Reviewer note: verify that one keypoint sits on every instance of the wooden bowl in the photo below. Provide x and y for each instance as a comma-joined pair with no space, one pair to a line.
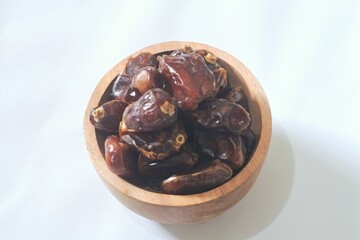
180,209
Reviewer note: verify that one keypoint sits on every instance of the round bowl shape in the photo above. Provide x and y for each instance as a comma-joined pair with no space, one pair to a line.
181,209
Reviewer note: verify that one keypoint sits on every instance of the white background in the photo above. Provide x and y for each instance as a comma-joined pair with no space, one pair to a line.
305,54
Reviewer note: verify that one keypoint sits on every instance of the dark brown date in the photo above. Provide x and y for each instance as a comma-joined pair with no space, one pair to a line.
108,116
229,148
123,91
188,78
192,128
204,177
238,96
176,163
147,78
142,60
215,113
249,139
154,110
219,72
120,159
206,144
157,145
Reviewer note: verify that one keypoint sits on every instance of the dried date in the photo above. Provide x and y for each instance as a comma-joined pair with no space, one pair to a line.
153,111
202,178
231,150
206,144
123,91
147,78
188,78
120,158
249,139
219,72
144,59
157,145
218,114
228,148
177,163
237,95
108,116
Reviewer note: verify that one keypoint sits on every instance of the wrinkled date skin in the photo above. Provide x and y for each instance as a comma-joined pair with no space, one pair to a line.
228,148
147,78
219,72
238,96
215,113
157,145
154,110
142,60
123,91
231,150
120,159
177,163
202,178
188,78
108,116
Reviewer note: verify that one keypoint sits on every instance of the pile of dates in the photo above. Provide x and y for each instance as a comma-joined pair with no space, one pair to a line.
173,123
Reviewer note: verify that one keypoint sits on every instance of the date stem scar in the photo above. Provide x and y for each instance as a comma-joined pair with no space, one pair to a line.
167,108
98,113
180,139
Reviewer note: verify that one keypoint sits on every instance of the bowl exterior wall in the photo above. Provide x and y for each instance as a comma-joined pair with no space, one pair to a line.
185,214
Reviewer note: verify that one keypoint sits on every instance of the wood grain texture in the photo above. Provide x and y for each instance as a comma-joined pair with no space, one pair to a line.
179,209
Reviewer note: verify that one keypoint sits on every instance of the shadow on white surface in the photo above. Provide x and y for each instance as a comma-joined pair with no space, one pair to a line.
260,207
325,201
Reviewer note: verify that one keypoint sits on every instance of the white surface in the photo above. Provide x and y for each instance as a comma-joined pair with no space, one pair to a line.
305,54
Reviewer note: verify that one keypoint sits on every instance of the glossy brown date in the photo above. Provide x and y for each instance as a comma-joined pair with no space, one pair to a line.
123,91
231,150
147,78
157,145
144,59
176,163
228,148
108,116
249,139
120,159
188,78
219,72
153,111
204,177
206,144
238,96
215,113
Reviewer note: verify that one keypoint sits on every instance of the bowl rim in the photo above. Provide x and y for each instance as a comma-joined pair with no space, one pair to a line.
132,191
